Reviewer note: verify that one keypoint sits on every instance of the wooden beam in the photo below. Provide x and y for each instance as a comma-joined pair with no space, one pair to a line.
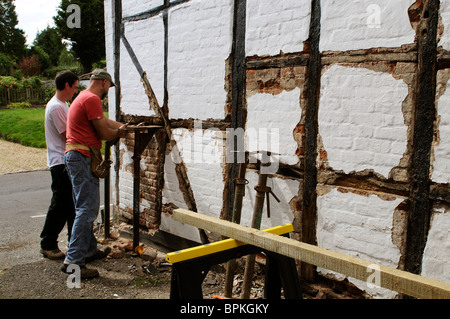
424,98
307,219
203,250
391,278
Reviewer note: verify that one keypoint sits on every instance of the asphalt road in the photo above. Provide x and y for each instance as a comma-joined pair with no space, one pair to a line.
24,200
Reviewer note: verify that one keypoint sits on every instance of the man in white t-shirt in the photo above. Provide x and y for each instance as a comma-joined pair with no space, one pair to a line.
61,209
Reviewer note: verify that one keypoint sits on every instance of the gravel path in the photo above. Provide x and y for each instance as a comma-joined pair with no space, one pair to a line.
17,158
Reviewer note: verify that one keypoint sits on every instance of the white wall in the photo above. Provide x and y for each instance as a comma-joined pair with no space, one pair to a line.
436,257
149,50
274,26
200,34
365,24
202,153
132,7
271,121
445,18
441,164
360,119
358,226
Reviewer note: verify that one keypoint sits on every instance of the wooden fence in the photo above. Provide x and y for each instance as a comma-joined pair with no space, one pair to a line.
33,96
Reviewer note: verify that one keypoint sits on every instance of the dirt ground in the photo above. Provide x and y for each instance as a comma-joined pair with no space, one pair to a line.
124,274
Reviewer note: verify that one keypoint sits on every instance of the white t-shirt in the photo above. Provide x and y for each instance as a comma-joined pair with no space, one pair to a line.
55,124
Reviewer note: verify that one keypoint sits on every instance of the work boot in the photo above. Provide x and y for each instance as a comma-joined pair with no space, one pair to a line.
85,273
54,254
101,253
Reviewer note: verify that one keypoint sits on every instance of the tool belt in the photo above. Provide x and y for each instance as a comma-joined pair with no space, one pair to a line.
99,166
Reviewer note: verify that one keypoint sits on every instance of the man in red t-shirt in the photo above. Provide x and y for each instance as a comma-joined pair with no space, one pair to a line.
87,126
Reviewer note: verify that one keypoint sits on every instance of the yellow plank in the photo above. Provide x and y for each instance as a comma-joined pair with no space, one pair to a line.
222,245
391,278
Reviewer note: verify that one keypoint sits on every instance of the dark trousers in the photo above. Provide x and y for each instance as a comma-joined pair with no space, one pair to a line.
61,209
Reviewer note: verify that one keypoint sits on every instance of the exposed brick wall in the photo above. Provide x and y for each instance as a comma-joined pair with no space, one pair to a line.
151,181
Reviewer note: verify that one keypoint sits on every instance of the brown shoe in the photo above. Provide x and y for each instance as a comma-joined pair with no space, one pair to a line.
54,254
85,273
101,253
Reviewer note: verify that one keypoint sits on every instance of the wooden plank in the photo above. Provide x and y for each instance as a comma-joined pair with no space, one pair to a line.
217,246
391,278
143,127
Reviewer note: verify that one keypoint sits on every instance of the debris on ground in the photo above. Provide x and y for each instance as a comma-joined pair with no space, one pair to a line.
141,273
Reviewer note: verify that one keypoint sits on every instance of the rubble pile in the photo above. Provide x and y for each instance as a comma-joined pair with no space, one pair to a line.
149,268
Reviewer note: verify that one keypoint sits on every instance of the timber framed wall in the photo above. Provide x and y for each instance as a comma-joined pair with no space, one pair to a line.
356,93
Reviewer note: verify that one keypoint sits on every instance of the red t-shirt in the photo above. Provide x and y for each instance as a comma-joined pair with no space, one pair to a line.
86,107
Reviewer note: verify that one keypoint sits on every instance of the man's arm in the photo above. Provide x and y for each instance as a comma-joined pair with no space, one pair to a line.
113,124
108,130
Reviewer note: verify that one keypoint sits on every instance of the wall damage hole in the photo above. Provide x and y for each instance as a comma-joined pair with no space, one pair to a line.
424,33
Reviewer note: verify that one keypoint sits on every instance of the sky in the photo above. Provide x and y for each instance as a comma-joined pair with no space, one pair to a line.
35,15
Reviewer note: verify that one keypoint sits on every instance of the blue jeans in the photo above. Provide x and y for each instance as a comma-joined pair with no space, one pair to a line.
86,198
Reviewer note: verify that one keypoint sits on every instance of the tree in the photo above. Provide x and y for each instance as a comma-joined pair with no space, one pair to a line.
43,57
50,41
66,58
88,41
30,66
6,65
12,39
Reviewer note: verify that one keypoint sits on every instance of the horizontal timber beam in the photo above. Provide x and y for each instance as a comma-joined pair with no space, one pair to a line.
203,250
391,278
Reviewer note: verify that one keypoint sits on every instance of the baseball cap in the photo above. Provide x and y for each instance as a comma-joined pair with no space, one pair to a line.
99,74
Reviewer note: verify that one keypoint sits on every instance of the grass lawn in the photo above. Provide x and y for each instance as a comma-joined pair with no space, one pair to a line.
23,126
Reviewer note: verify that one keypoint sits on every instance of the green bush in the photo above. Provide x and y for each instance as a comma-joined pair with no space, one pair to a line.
18,105
8,82
49,93
99,65
12,82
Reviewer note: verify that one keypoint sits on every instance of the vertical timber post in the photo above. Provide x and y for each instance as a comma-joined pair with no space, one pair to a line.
238,87
117,7
424,117
309,215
